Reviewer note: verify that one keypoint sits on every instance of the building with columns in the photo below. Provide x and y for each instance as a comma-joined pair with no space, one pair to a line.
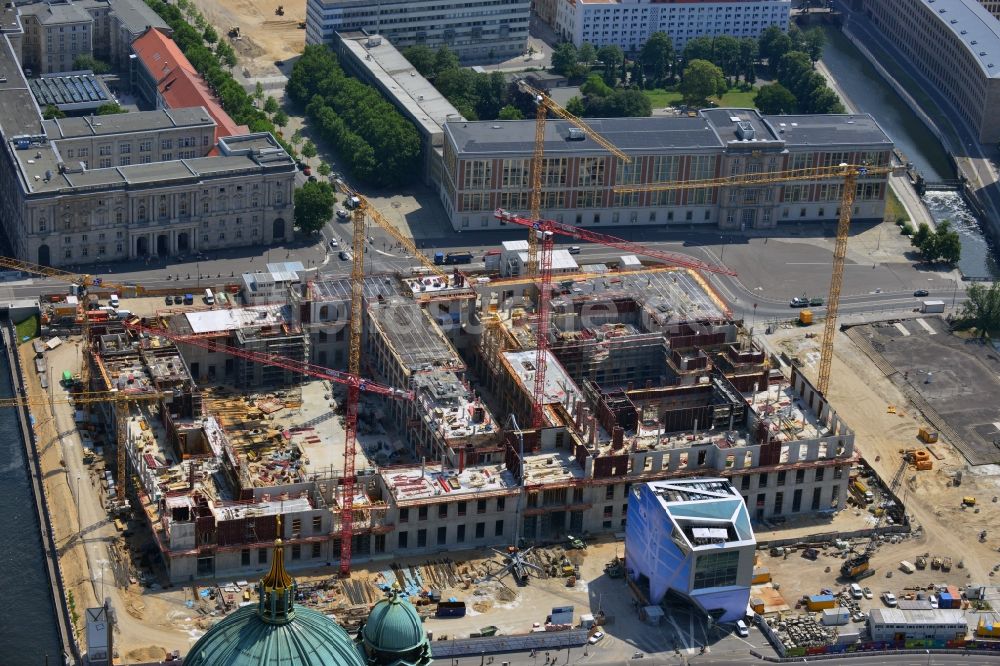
487,165
127,186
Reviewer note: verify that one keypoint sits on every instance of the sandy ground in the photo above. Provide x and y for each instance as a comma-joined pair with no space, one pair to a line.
862,396
265,36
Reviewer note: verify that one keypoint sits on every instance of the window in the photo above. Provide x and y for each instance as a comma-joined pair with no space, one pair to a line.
480,530
404,515
442,535
421,538
460,534
442,510
296,528
245,557
779,500
501,503
745,482
498,528
461,508
815,500
797,500
422,513
800,476
166,144
404,538
762,482
478,174
838,472
316,551
781,477
105,163
124,148
608,510
104,150
590,171
716,570
296,551
145,146
609,493
317,524
554,171
481,506
820,471
262,556
124,160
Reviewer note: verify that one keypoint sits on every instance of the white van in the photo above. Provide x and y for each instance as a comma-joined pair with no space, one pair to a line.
856,591
209,297
742,630
113,300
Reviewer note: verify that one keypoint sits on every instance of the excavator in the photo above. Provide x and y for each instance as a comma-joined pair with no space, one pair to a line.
859,565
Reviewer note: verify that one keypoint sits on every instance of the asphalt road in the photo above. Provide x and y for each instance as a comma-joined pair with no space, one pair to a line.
596,658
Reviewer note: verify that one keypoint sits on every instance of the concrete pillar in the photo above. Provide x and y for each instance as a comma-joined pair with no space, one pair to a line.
617,438
592,434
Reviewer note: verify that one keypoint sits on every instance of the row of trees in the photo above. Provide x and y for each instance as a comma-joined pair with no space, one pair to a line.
602,101
382,147
214,65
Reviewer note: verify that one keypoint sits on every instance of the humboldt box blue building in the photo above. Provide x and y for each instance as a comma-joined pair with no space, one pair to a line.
691,538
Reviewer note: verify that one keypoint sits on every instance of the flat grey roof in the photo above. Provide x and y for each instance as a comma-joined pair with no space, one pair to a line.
635,135
56,12
136,16
125,123
18,112
976,29
410,89
829,130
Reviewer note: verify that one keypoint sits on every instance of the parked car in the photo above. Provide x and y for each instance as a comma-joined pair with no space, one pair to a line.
742,629
334,242
889,599
575,249
598,635
816,302
919,293
168,299
934,601
346,256
798,302
867,592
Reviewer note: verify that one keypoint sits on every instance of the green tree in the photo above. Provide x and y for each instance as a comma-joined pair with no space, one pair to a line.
52,112
271,105
324,169
949,247
226,54
510,112
422,58
313,205
657,57
748,59
940,245
595,85
823,100
701,80
258,92
564,58
82,62
576,107
210,35
981,309
280,118
110,109
773,44
297,137
612,57
919,238
774,98
444,59
586,54
727,54
699,48
813,42
309,150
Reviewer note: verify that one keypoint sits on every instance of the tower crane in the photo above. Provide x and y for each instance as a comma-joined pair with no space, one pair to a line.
544,105
548,229
849,173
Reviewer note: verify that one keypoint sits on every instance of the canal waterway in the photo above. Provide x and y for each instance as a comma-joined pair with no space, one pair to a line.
29,630
869,93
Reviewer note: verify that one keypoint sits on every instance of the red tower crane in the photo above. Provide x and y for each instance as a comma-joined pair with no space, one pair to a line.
547,229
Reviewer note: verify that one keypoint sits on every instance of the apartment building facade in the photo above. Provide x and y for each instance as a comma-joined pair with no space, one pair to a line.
483,30
955,44
629,23
487,165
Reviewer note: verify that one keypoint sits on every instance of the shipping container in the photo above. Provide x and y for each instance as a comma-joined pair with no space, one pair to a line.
835,616
451,609
932,306
817,602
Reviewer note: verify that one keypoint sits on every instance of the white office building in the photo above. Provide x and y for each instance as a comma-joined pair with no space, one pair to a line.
476,30
629,23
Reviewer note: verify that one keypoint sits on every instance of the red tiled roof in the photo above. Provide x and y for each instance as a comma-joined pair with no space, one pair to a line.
178,83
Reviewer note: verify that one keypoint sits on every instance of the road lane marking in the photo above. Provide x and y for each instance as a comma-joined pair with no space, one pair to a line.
901,329
926,326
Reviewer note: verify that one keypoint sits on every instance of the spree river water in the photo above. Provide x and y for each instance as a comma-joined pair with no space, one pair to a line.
29,630
869,93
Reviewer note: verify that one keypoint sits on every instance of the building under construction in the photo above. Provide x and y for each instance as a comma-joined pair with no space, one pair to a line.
648,378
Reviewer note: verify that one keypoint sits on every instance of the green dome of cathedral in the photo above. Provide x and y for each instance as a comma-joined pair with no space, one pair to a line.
276,631
394,634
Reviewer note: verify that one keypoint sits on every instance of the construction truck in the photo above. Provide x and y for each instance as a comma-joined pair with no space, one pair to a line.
615,568
858,565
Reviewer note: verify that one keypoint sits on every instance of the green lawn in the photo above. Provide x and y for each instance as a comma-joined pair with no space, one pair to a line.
27,329
661,98
893,208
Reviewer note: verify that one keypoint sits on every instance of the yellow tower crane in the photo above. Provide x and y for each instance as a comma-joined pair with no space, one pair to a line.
849,173
544,105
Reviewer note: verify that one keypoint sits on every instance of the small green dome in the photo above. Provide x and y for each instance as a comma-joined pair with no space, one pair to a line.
246,639
394,634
